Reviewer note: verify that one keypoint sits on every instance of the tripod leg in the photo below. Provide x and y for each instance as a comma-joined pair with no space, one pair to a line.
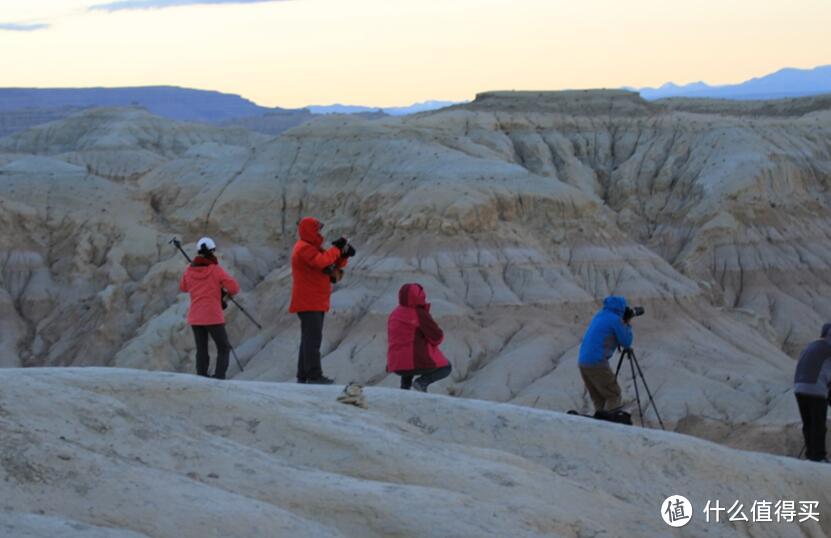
648,392
245,312
619,362
635,382
233,351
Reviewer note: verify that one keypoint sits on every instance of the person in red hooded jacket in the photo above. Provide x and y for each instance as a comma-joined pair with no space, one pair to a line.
312,274
206,282
413,339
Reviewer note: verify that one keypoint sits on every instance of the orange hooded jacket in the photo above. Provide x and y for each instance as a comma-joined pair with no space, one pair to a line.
310,286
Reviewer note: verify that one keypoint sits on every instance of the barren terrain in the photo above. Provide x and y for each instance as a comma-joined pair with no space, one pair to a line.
518,212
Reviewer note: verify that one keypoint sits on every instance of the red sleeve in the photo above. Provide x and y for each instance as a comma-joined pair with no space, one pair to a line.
429,328
183,282
227,282
320,260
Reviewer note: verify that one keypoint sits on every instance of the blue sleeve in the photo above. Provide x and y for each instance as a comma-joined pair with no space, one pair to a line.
623,333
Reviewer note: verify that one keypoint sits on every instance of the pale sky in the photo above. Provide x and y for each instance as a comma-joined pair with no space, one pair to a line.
292,53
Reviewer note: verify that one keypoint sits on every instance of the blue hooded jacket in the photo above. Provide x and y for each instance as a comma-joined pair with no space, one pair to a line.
605,333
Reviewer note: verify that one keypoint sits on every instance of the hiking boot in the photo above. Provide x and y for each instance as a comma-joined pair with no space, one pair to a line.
322,380
419,387
302,381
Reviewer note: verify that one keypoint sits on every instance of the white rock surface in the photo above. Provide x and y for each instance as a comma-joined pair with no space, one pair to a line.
518,212
92,452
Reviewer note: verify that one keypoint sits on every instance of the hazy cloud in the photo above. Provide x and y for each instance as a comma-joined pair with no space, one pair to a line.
18,27
121,5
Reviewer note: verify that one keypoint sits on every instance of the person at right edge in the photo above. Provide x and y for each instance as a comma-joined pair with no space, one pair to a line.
608,330
312,270
812,386
413,339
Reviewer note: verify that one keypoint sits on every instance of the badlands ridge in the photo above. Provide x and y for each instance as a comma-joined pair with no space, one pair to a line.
518,212
115,453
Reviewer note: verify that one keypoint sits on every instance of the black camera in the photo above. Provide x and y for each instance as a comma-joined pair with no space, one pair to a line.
633,312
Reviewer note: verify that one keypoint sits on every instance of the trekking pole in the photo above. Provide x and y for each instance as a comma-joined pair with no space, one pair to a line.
175,242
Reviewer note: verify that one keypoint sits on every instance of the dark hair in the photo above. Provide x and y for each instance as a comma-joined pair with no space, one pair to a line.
826,331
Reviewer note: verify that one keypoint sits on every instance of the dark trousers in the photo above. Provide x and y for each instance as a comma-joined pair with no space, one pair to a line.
311,336
814,412
426,377
223,348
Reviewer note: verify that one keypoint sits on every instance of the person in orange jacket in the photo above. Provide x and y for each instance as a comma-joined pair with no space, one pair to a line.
206,282
313,271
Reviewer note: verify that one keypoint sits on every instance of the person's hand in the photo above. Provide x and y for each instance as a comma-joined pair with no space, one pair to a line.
340,243
348,252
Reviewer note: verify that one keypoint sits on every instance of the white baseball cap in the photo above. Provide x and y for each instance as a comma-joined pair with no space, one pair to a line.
206,243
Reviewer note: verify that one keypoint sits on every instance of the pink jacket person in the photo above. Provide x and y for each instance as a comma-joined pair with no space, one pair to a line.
413,336
204,279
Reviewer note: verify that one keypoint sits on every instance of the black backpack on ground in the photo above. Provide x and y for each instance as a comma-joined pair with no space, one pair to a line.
619,416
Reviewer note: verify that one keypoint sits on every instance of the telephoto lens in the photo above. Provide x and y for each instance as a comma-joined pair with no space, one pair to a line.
630,313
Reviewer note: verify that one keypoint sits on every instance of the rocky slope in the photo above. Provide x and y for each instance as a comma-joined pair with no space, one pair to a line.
518,212
93,452
20,119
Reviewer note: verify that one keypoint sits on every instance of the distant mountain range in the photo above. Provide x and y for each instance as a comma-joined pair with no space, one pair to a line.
184,104
171,102
788,82
392,111
21,108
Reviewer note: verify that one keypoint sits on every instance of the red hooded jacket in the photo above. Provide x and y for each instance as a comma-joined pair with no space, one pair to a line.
310,286
413,336
204,279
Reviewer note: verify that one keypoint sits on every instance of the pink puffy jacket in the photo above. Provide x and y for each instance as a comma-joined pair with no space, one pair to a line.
413,336
204,279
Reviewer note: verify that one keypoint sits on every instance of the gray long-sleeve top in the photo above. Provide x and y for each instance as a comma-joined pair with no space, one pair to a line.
813,371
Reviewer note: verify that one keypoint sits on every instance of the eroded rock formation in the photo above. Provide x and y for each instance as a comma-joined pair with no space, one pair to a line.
119,453
518,212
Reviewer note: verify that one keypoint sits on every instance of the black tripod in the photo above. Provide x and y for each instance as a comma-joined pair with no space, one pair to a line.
175,242
633,363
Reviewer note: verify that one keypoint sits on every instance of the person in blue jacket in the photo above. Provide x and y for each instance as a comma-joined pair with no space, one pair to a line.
608,330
